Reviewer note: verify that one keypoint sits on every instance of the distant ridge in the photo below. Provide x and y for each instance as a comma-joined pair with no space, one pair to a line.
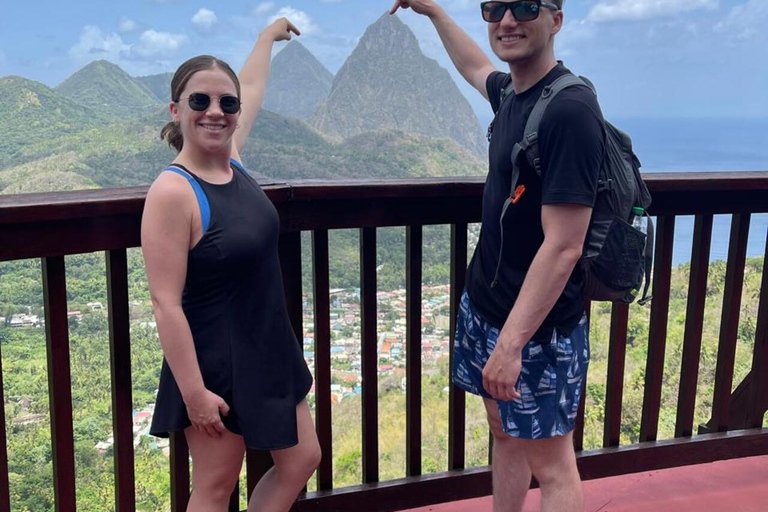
102,85
298,82
158,85
31,113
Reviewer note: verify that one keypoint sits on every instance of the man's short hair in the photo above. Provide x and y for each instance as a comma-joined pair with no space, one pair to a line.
559,3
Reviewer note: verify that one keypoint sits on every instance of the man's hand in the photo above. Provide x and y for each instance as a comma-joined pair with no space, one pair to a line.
280,30
425,7
502,371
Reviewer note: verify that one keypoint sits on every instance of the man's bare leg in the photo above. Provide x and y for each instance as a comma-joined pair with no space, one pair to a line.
511,473
553,463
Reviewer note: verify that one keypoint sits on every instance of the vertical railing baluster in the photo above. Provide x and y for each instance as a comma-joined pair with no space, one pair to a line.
257,463
456,397
369,355
729,324
179,460
578,431
657,335
614,391
413,256
694,325
5,492
59,383
320,272
289,249
120,363
759,400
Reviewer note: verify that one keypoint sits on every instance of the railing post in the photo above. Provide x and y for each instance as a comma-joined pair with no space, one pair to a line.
413,251
120,363
759,399
179,461
729,326
694,324
59,383
456,397
320,272
370,358
615,379
657,335
5,492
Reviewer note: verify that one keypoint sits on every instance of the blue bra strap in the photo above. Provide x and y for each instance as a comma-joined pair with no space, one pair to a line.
202,199
238,165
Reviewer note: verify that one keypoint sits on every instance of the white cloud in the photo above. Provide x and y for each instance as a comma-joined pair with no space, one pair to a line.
636,10
299,18
745,21
263,8
126,24
204,20
156,44
94,44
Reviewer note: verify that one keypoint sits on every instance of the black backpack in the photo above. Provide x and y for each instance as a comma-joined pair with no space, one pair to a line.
616,255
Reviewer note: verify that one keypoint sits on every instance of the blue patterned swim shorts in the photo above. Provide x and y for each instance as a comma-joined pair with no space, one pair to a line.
551,380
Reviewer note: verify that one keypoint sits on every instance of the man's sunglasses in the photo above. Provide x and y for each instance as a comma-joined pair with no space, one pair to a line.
200,102
522,10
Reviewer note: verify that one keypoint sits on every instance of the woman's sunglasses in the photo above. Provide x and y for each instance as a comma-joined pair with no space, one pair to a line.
522,10
199,101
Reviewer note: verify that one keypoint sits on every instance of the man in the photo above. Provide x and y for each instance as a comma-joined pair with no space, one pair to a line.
521,339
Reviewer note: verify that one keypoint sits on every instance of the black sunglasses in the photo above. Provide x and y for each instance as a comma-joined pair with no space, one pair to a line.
522,10
200,102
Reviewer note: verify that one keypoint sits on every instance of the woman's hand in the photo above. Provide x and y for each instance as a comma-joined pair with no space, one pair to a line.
280,30
205,410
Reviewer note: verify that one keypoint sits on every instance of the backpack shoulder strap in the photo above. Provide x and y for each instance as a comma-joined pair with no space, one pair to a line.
506,92
529,145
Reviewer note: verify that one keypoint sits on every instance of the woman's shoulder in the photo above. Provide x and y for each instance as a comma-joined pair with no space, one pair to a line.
171,189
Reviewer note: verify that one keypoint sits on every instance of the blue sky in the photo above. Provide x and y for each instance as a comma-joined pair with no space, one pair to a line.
648,58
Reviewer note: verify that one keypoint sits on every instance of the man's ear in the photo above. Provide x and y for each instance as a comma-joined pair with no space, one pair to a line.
558,24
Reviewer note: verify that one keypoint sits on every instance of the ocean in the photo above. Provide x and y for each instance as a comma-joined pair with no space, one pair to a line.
702,145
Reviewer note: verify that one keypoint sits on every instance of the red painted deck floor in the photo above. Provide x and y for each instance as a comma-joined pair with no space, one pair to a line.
737,485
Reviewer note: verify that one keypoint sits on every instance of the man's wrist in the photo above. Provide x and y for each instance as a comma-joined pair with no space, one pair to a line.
265,36
511,342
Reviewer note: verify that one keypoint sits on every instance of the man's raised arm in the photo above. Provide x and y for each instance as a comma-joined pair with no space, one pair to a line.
466,55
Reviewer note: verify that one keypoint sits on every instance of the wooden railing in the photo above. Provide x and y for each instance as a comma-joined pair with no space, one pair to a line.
50,226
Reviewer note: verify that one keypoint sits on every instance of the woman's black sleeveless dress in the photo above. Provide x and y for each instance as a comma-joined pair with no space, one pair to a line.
235,304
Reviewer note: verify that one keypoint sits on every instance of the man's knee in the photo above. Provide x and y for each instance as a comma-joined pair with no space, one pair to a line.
553,461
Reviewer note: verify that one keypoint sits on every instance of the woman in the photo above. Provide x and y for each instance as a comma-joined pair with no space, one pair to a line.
233,375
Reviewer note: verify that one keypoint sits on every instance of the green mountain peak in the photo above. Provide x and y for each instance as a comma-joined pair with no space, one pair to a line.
104,86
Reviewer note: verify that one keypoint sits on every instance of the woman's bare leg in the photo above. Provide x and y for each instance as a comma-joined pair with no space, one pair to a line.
277,490
216,465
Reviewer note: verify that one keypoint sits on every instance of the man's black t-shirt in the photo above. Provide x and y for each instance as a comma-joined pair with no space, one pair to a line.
572,147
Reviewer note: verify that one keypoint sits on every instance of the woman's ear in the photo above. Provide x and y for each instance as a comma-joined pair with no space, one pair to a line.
173,107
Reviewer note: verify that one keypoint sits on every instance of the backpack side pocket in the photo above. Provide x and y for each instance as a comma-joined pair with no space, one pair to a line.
616,273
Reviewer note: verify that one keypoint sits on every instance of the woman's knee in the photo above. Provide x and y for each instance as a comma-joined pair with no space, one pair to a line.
301,463
312,456
216,483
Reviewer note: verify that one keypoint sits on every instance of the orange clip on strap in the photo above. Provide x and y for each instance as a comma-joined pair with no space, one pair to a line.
518,194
